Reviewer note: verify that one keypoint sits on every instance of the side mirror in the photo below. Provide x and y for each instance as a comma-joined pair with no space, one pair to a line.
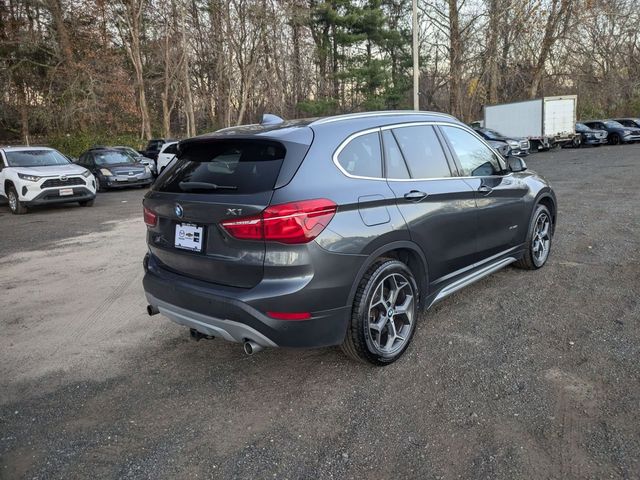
516,164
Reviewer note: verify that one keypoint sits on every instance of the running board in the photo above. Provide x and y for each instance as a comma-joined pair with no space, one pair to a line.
472,277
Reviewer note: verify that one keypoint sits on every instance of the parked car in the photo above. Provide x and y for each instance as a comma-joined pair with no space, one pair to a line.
32,176
629,122
589,136
114,168
154,146
517,146
167,153
617,133
296,234
138,157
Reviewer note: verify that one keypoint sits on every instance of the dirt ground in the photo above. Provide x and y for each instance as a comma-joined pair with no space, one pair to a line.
524,375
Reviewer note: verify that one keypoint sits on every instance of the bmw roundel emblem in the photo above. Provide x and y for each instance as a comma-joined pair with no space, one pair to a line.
179,211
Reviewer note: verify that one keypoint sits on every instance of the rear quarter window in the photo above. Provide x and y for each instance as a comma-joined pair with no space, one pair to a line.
228,167
362,156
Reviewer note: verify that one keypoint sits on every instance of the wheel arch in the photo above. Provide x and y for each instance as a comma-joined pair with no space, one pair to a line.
405,251
9,183
550,202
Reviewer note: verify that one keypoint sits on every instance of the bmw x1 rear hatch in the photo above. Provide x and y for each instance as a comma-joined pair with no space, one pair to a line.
215,180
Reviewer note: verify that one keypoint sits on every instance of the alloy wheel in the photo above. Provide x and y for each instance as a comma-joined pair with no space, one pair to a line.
391,314
541,241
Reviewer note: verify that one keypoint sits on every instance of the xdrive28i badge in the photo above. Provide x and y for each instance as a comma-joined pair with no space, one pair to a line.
179,211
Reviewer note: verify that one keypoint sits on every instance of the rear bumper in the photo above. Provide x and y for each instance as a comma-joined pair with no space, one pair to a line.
237,314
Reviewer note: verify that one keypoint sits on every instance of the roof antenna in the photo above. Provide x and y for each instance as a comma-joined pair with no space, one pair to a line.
270,119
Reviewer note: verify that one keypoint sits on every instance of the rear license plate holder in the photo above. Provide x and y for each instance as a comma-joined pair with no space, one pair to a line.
189,237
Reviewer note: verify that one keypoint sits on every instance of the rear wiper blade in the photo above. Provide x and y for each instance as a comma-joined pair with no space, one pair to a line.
205,186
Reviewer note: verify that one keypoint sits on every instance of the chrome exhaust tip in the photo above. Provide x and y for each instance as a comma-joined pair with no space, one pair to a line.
252,347
151,310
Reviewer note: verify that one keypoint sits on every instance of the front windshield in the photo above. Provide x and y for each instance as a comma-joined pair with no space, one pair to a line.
613,124
36,158
112,158
581,127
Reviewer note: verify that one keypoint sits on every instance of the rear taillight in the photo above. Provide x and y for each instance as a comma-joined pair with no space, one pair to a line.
295,222
150,217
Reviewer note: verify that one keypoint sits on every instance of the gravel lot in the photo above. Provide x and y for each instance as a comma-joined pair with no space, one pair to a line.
522,375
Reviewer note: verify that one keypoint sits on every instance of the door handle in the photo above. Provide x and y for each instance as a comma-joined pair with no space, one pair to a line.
484,189
415,195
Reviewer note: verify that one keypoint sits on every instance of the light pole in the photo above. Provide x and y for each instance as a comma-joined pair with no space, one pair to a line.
414,22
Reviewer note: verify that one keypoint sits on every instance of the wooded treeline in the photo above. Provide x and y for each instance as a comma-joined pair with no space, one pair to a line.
182,67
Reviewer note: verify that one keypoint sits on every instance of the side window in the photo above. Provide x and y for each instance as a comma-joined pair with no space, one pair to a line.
422,151
171,149
394,162
362,157
476,159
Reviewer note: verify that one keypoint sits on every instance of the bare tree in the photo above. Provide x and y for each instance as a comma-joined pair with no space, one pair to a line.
129,14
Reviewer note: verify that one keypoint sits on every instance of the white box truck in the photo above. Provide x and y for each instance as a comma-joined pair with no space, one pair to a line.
546,122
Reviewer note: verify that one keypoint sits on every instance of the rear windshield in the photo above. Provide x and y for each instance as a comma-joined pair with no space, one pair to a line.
155,144
224,167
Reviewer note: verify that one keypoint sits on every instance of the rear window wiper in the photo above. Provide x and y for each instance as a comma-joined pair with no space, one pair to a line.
205,186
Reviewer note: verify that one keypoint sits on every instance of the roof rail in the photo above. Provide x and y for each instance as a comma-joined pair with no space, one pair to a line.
352,116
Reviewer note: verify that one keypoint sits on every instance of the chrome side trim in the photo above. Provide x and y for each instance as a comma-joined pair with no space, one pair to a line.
346,141
217,327
472,277
477,264
353,116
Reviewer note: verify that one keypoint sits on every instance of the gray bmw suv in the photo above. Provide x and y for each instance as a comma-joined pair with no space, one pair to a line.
335,231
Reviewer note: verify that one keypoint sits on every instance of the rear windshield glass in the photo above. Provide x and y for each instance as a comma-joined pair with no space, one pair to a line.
224,167
35,158
155,144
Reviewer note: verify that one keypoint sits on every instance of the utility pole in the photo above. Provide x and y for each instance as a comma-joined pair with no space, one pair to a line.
416,99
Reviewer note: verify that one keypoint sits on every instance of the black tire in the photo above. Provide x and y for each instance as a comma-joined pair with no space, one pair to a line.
530,260
99,187
614,139
87,203
359,342
15,205
576,142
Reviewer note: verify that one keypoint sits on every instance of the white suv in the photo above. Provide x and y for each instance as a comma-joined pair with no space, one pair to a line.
38,176
167,153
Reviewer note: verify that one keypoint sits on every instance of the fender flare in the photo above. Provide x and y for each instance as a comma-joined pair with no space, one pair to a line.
376,254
